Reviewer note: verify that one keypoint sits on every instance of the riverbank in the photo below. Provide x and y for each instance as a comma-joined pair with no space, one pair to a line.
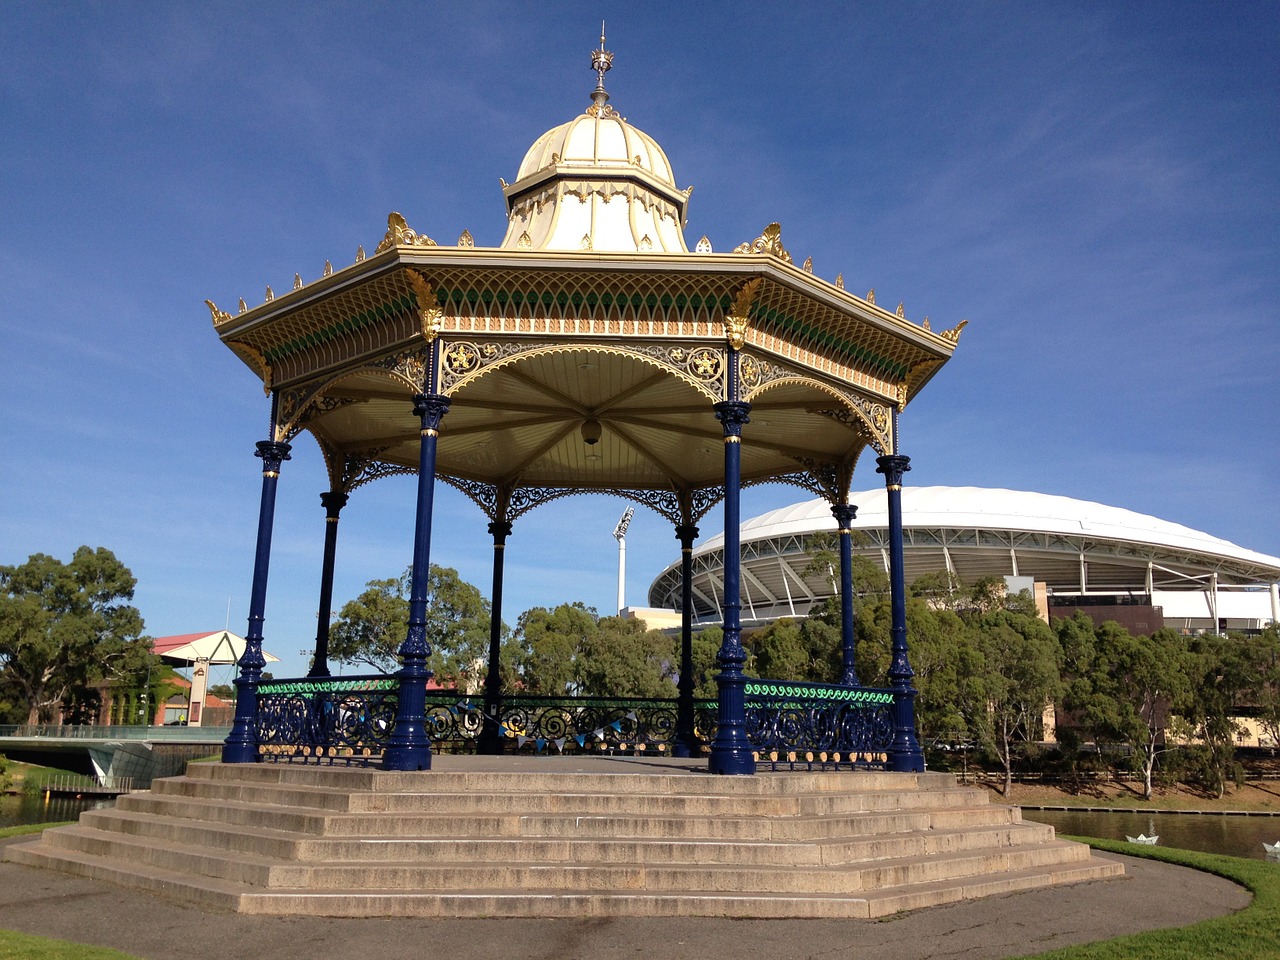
1262,796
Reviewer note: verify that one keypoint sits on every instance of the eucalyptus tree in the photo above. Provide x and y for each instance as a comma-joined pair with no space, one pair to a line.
570,650
370,629
1019,678
66,627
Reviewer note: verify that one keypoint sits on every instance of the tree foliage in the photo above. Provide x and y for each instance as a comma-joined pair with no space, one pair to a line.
572,651
371,628
66,627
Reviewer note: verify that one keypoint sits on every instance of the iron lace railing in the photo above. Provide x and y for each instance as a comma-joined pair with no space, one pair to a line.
349,720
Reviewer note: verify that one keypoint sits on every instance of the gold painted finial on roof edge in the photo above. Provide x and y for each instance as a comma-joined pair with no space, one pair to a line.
219,316
400,234
953,335
768,242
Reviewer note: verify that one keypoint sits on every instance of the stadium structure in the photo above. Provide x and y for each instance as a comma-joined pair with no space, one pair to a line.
1112,563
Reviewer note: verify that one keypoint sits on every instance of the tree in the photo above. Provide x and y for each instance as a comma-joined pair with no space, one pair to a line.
371,628
1266,681
65,627
1218,671
1123,690
571,651
1019,657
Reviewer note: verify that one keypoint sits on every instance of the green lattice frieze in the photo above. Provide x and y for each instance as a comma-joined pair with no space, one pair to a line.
818,693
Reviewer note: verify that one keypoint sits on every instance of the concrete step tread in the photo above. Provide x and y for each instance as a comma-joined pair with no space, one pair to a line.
229,895
154,802
156,830
128,848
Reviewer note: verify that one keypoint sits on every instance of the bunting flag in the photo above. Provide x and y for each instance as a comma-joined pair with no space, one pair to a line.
540,743
520,739
559,744
582,739
617,726
631,715
598,733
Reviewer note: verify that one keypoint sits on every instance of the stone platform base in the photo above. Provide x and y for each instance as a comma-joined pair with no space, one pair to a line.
557,837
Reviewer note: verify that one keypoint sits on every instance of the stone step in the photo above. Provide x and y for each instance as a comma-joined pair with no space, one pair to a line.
578,802
726,826
443,877
688,777
223,895
450,849
549,839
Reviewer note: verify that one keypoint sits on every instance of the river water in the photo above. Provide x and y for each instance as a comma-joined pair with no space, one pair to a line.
1236,836
35,807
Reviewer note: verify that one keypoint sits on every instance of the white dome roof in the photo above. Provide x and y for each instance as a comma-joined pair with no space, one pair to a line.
986,508
598,184
594,143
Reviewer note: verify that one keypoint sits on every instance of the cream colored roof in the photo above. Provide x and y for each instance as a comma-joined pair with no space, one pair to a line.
985,508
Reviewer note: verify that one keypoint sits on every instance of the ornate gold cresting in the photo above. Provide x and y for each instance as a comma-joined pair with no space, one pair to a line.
768,242
430,316
953,335
902,310
466,240
400,234
219,316
871,295
736,321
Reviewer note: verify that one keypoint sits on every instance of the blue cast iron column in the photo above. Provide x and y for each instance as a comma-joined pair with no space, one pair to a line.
490,741
241,745
410,747
686,744
905,755
731,751
844,514
333,501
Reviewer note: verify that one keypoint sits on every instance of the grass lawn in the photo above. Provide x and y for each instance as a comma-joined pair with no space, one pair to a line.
1251,934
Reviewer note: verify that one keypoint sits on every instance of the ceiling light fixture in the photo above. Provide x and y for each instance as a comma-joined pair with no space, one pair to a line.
591,431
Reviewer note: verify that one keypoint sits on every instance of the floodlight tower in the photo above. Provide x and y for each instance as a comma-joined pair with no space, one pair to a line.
620,534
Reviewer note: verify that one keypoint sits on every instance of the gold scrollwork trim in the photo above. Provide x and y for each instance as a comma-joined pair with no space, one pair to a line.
736,321
400,234
768,242
430,316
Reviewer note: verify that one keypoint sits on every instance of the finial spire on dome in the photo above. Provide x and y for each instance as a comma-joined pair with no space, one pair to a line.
601,61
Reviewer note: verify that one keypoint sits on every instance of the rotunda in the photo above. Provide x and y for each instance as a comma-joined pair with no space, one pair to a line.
591,352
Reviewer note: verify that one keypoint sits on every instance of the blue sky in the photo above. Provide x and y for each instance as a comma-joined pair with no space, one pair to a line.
1095,187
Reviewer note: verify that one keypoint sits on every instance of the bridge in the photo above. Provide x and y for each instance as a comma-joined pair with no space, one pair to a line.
102,751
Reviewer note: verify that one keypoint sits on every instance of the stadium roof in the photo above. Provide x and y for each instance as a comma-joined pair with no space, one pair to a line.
1075,546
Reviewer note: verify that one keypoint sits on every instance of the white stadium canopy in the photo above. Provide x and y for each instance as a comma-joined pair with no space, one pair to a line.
1078,549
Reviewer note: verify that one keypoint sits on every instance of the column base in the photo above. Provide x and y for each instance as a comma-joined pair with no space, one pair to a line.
407,758
239,753
732,761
